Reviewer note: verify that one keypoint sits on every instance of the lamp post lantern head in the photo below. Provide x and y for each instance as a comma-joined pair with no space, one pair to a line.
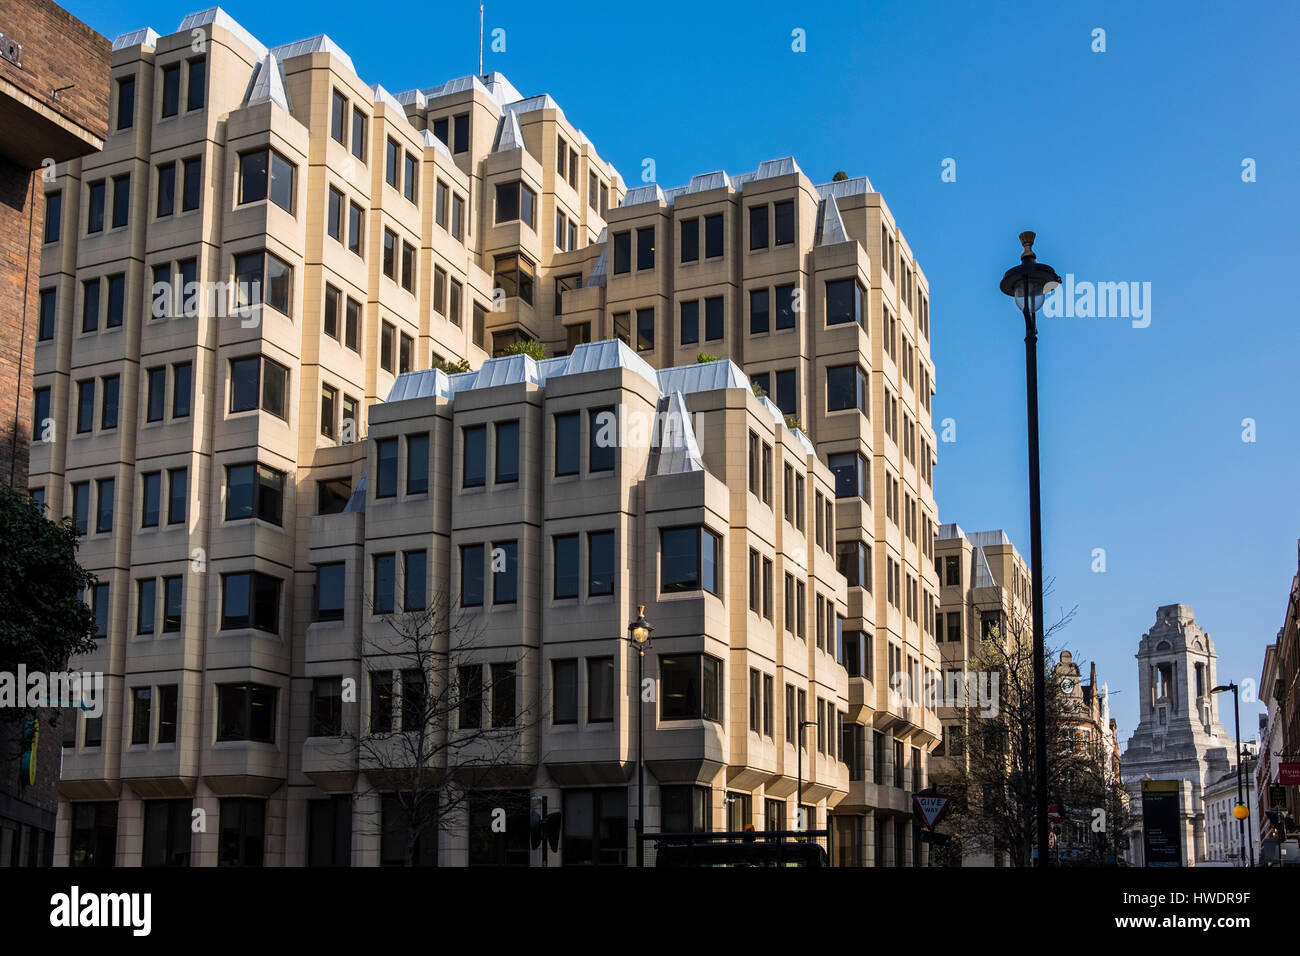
638,632
1031,281
1224,687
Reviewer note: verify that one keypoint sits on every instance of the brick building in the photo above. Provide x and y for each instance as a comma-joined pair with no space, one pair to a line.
53,108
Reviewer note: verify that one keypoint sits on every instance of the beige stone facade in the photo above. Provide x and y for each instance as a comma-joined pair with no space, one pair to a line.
388,233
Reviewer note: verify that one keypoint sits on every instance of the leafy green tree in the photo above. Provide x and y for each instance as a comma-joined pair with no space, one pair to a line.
533,349
704,357
44,620
452,368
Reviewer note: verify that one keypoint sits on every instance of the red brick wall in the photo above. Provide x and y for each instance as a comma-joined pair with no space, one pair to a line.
59,50
22,218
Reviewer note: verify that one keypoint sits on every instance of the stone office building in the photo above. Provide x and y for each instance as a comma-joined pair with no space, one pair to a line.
234,474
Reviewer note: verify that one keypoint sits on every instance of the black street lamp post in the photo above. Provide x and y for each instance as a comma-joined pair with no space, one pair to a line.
638,635
800,822
1029,283
1240,811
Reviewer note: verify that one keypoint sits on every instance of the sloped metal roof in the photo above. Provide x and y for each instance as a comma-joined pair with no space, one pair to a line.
777,167
388,99
606,354
778,416
702,377
674,449
142,37
268,84
948,532
706,181
215,16
317,44
433,142
600,271
542,101
845,187
640,194
357,503
830,226
458,84
509,135
409,97
421,384
805,441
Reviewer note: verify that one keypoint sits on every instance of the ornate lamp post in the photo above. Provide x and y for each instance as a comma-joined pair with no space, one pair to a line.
1029,283
638,635
1240,811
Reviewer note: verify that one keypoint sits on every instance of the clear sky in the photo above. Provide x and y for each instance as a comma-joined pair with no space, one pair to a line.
1128,164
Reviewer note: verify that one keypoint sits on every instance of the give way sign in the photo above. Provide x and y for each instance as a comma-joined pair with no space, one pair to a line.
930,807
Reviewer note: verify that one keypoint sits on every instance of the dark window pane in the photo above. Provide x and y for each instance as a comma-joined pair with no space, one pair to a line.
415,585
602,428
680,559
198,81
505,572
471,575
507,451
690,322
384,584
758,311
386,468
622,252
713,328
690,240
566,566
564,691
568,427
417,464
474,464
600,563
330,582
758,227
171,89
784,223
712,236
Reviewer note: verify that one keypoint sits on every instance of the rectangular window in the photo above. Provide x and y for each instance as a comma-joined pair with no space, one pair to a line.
90,305
755,700
167,711
387,345
564,692
690,322
166,197
326,707
410,177
95,206
86,406
339,117
126,102
622,252
457,217
254,491
332,496
386,468
331,580
383,584
250,599
515,203
568,429
460,128
503,694
600,563
845,300
415,580
391,154
690,687
505,572
417,463
246,712
171,90
146,606
689,558
53,216
116,310
356,224
151,497
785,223
645,248
408,267
109,402
141,705
196,83
690,240
329,403
358,134
415,700
565,564
852,475
713,236
507,451
405,353
847,386
758,311
469,679
713,326
474,460
191,184
471,575
645,329
758,227
177,495
105,493
352,325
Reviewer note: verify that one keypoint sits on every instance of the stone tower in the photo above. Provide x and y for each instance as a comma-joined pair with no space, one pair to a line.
1178,736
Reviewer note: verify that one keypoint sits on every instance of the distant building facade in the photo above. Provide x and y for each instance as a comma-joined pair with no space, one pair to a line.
1178,736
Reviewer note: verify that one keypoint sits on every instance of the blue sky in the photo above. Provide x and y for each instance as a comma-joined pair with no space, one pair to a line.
1128,164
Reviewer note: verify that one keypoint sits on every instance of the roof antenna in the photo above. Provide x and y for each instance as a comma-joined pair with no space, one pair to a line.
480,40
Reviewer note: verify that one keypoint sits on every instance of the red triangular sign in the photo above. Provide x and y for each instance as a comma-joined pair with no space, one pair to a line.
930,807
